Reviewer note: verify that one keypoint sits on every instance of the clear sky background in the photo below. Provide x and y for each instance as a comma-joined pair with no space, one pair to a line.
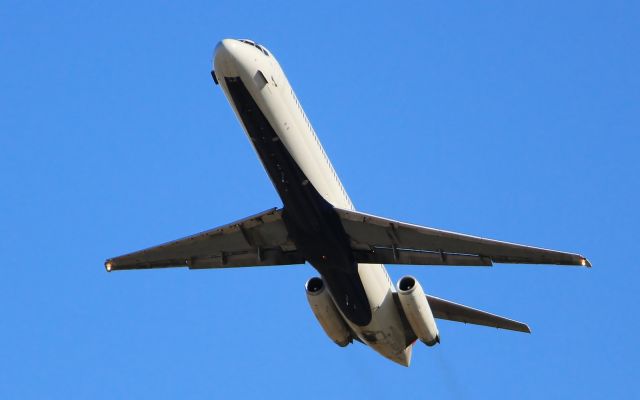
516,122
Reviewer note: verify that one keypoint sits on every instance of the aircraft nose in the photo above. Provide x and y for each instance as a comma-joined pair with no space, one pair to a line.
230,58
226,50
227,45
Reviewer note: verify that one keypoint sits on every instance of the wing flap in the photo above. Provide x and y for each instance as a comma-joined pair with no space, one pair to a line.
444,309
420,245
258,240
384,255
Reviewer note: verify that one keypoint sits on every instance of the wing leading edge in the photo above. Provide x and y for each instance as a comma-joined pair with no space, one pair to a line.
381,240
258,240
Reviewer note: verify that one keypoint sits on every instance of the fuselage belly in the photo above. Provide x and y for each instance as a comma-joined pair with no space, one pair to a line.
299,169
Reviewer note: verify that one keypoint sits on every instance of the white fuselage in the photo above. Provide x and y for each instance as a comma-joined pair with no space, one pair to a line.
270,89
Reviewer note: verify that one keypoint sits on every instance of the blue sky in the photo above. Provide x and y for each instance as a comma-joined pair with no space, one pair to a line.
518,122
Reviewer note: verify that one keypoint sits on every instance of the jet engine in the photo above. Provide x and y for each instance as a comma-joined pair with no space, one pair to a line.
326,312
416,307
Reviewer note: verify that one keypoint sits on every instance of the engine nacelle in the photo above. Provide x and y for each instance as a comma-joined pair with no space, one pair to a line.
326,312
416,308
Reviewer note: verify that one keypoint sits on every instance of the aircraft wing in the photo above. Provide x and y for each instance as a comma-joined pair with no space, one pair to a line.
380,240
444,309
259,240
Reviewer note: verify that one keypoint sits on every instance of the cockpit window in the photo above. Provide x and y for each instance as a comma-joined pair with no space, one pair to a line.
254,44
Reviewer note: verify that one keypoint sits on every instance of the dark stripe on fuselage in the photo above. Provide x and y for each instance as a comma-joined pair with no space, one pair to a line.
312,222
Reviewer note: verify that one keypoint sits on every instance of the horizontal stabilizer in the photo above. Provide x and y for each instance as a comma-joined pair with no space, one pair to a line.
444,309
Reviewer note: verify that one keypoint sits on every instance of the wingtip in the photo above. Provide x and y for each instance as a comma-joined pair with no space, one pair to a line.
108,265
584,262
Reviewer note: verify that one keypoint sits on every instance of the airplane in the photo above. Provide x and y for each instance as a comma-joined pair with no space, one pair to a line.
353,298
